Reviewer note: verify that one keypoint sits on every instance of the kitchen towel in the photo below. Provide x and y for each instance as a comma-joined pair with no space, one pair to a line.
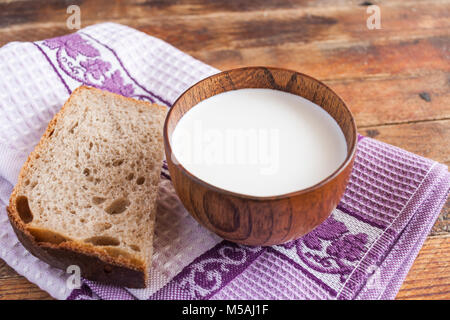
362,251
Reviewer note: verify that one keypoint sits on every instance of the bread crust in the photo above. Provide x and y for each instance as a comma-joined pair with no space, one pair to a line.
94,262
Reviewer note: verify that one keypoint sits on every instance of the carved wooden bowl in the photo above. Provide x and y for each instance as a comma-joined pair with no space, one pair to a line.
256,220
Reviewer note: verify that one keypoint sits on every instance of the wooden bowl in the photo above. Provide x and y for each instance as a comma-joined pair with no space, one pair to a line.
256,220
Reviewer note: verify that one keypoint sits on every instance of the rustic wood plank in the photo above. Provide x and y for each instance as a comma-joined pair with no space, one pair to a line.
394,100
21,288
230,30
14,286
424,138
427,139
25,11
6,271
429,277
182,7
331,61
442,225
278,27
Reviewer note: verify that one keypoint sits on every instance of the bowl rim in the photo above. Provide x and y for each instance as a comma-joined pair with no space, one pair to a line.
333,175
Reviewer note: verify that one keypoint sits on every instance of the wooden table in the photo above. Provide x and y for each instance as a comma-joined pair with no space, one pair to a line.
396,79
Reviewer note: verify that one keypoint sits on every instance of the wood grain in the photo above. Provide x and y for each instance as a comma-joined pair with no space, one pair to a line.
21,288
442,225
395,80
429,277
6,271
14,286
412,137
389,99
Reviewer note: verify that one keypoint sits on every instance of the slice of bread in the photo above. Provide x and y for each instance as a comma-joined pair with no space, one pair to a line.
86,195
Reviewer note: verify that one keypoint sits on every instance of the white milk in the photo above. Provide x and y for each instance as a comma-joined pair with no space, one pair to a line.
259,142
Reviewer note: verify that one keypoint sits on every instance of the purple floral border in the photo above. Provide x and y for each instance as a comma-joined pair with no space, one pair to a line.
126,70
79,57
212,270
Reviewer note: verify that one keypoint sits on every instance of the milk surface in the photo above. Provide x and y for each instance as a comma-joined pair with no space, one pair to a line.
259,142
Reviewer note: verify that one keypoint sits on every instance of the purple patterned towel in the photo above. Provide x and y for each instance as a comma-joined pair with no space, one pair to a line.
363,251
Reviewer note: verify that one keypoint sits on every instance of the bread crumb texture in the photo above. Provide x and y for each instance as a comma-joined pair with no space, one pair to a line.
93,179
